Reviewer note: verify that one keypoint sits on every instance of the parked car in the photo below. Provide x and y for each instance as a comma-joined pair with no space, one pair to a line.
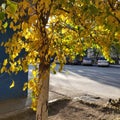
87,61
102,62
75,61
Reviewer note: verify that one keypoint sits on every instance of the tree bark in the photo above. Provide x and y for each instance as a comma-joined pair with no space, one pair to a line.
42,107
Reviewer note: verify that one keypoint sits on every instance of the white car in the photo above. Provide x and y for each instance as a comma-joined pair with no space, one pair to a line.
102,62
87,61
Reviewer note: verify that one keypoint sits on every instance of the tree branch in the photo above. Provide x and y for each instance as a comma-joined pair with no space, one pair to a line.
111,6
64,10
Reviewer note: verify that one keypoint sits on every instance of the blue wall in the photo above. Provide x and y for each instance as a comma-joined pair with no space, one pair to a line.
5,79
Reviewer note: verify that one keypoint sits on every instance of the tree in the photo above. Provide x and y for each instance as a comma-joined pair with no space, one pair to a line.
115,51
44,28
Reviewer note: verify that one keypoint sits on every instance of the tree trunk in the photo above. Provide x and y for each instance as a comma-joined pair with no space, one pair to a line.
42,107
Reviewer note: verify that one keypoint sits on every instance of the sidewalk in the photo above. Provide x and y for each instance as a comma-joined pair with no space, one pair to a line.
71,109
14,106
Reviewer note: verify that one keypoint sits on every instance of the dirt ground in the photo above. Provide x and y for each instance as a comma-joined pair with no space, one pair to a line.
72,110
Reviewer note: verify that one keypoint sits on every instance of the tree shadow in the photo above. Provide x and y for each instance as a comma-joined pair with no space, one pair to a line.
56,106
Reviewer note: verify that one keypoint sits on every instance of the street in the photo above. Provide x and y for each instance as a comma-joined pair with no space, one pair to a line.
76,80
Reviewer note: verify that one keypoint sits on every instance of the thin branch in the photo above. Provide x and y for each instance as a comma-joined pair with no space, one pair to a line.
110,4
64,10
112,7
116,18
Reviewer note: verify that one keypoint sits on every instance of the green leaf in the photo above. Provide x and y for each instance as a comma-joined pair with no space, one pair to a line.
12,5
93,10
5,25
86,1
2,15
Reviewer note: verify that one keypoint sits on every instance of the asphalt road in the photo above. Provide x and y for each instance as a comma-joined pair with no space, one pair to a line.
75,80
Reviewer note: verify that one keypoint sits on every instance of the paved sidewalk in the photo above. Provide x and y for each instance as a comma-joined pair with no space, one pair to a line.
17,106
14,106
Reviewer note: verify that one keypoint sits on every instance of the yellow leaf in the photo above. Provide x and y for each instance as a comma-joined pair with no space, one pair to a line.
24,25
12,67
2,69
2,43
5,25
33,19
12,84
34,105
5,62
31,84
34,73
30,11
25,4
25,86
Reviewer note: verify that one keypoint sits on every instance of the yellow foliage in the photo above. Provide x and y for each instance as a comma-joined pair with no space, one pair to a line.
5,62
117,35
3,69
31,84
47,28
25,86
34,73
12,84
25,25
34,105
31,11
33,19
12,68
25,4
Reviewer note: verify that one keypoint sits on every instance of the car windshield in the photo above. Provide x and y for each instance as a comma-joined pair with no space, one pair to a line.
102,58
87,58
